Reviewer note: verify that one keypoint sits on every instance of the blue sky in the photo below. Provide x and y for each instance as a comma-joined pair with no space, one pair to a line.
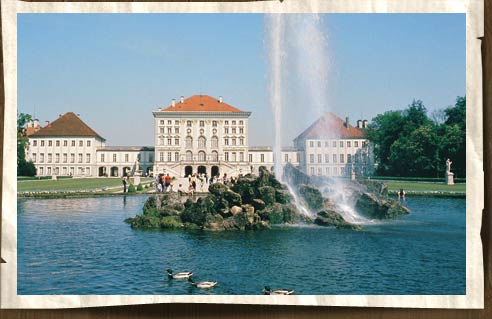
115,69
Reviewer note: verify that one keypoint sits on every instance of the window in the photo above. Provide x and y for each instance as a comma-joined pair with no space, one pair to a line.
80,158
126,157
188,123
202,123
334,144
363,143
57,158
50,143
34,157
226,130
286,158
65,157
88,171
226,141
49,158
162,122
201,142
169,155
169,130
327,158
176,122
102,158
48,169
176,157
356,143
64,171
215,156
233,122
189,156
176,130
161,130
262,158
189,142
226,156
320,172
81,143
161,156
233,159
241,122
161,141
72,157
319,143
241,156
319,158
42,143
334,158
349,158
176,141
226,122
341,143
88,143
34,143
57,143
169,141
311,158
169,122
65,143
41,171
234,141
348,143
327,171
201,156
250,158
215,142
311,143
214,123
335,171
241,130
241,141
233,130
342,160
327,144
41,158
312,170
73,143
342,170
114,157
87,158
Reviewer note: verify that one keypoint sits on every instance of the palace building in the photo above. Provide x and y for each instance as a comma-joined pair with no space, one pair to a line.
199,134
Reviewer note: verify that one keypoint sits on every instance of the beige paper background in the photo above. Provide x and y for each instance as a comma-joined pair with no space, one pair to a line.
474,199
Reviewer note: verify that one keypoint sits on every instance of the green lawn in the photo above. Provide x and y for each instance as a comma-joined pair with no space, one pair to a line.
420,186
72,184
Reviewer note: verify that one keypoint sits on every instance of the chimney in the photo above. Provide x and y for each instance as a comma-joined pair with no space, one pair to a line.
359,124
364,124
173,102
182,99
78,115
36,123
220,99
347,122
47,123
59,115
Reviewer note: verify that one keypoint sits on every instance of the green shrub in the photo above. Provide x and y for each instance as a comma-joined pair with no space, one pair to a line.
131,189
171,222
139,187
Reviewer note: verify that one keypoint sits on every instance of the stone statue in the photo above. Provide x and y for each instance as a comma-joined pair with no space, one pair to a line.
448,165
137,165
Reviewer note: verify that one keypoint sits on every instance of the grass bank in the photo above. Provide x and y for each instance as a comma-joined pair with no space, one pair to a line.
73,184
426,188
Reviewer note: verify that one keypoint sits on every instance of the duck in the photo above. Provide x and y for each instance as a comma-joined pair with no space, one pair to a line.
179,275
203,284
269,291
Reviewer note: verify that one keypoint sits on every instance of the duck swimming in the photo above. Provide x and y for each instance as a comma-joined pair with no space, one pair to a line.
269,291
203,284
179,275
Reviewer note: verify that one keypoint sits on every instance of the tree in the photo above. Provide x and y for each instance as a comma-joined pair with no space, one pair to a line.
24,168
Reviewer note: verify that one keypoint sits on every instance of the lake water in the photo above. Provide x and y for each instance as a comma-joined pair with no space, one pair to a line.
82,246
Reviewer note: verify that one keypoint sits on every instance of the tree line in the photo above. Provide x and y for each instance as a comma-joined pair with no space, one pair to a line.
24,167
409,143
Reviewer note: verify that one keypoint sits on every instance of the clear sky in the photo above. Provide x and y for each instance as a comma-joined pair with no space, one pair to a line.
115,69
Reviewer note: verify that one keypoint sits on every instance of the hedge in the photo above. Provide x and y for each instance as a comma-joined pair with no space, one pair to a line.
416,179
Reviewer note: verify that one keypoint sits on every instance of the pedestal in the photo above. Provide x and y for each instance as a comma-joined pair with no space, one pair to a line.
449,178
136,180
353,176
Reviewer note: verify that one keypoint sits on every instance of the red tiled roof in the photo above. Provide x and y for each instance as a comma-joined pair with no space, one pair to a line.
68,124
331,126
200,103
31,130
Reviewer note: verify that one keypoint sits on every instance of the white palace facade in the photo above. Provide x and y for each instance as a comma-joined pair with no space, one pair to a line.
199,134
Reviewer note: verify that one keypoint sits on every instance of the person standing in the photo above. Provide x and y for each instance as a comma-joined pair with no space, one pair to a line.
167,180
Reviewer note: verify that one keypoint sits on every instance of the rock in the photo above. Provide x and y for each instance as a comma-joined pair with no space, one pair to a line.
258,204
246,188
214,222
312,196
218,189
291,214
273,213
282,196
234,210
332,218
267,194
373,206
232,198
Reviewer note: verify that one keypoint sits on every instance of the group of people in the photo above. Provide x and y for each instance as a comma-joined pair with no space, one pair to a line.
163,183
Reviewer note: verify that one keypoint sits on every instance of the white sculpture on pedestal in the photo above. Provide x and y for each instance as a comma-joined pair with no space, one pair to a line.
449,175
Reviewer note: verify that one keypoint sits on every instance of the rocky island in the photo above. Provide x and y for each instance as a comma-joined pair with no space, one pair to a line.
257,202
